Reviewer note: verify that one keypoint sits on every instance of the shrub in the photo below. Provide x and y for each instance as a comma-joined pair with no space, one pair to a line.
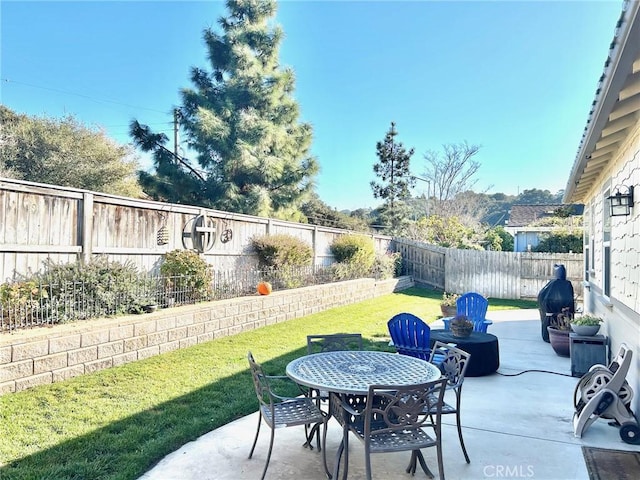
388,265
188,276
355,255
22,302
560,242
106,287
351,248
282,251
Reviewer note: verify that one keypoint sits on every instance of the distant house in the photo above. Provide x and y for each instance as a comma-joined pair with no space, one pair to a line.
528,223
608,165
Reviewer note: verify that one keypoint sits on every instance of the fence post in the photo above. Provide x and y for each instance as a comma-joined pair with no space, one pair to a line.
314,244
86,227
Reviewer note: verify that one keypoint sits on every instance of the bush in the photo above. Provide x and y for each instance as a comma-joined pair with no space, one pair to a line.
354,248
22,303
107,288
187,276
355,255
388,265
282,251
283,257
560,242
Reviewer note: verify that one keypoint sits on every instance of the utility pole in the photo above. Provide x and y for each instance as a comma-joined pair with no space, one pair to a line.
392,190
428,182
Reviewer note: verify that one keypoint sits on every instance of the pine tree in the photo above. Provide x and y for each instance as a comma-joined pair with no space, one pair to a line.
393,170
242,121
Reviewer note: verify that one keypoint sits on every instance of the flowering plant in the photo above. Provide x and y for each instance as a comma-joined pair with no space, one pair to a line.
449,299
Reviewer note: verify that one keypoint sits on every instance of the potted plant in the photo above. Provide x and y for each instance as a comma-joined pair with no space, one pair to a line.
461,326
587,325
448,304
559,329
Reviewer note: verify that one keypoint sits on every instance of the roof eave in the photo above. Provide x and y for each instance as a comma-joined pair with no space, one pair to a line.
617,68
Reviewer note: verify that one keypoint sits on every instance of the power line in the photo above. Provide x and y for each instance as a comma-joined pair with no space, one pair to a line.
66,92
127,125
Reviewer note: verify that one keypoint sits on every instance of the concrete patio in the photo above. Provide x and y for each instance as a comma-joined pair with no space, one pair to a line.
514,427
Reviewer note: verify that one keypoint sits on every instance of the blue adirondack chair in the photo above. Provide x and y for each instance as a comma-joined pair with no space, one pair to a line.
474,307
410,335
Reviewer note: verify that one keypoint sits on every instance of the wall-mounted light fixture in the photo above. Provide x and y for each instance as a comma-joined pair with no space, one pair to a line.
622,201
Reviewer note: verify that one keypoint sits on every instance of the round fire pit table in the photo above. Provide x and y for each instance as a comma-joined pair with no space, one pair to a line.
483,348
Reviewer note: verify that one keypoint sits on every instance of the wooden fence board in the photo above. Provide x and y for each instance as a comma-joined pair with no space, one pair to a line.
44,221
41,222
493,274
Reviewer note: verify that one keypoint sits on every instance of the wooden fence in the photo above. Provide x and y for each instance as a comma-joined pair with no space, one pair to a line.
511,275
41,223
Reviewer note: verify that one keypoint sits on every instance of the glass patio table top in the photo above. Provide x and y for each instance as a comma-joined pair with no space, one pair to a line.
352,372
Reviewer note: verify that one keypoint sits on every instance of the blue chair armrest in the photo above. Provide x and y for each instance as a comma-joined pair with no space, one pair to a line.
447,322
481,326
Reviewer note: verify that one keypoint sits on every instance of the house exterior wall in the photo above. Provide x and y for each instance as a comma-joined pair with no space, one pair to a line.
527,238
525,241
621,307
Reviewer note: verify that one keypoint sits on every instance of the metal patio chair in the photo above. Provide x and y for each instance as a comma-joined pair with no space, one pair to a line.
393,419
453,364
278,411
329,343
333,342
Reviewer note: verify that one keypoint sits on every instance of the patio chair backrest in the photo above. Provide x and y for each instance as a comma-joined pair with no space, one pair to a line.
474,306
260,383
334,342
410,335
401,409
452,362
394,419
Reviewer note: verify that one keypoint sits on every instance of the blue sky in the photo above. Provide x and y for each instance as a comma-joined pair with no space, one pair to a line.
515,77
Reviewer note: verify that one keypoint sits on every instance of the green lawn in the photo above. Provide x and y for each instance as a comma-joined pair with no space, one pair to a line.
117,423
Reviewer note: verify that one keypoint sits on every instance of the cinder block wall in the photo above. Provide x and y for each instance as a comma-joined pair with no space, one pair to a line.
46,355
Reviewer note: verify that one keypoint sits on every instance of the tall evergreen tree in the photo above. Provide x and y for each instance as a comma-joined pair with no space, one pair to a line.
396,179
241,121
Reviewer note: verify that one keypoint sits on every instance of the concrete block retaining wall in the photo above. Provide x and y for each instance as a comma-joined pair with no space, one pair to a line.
45,355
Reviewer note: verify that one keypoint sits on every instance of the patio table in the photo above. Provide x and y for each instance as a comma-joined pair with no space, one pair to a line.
352,372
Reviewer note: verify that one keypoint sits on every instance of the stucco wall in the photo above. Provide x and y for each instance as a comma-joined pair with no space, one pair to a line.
46,355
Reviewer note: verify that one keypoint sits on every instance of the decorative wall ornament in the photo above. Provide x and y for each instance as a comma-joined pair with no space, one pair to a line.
227,233
162,237
200,233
